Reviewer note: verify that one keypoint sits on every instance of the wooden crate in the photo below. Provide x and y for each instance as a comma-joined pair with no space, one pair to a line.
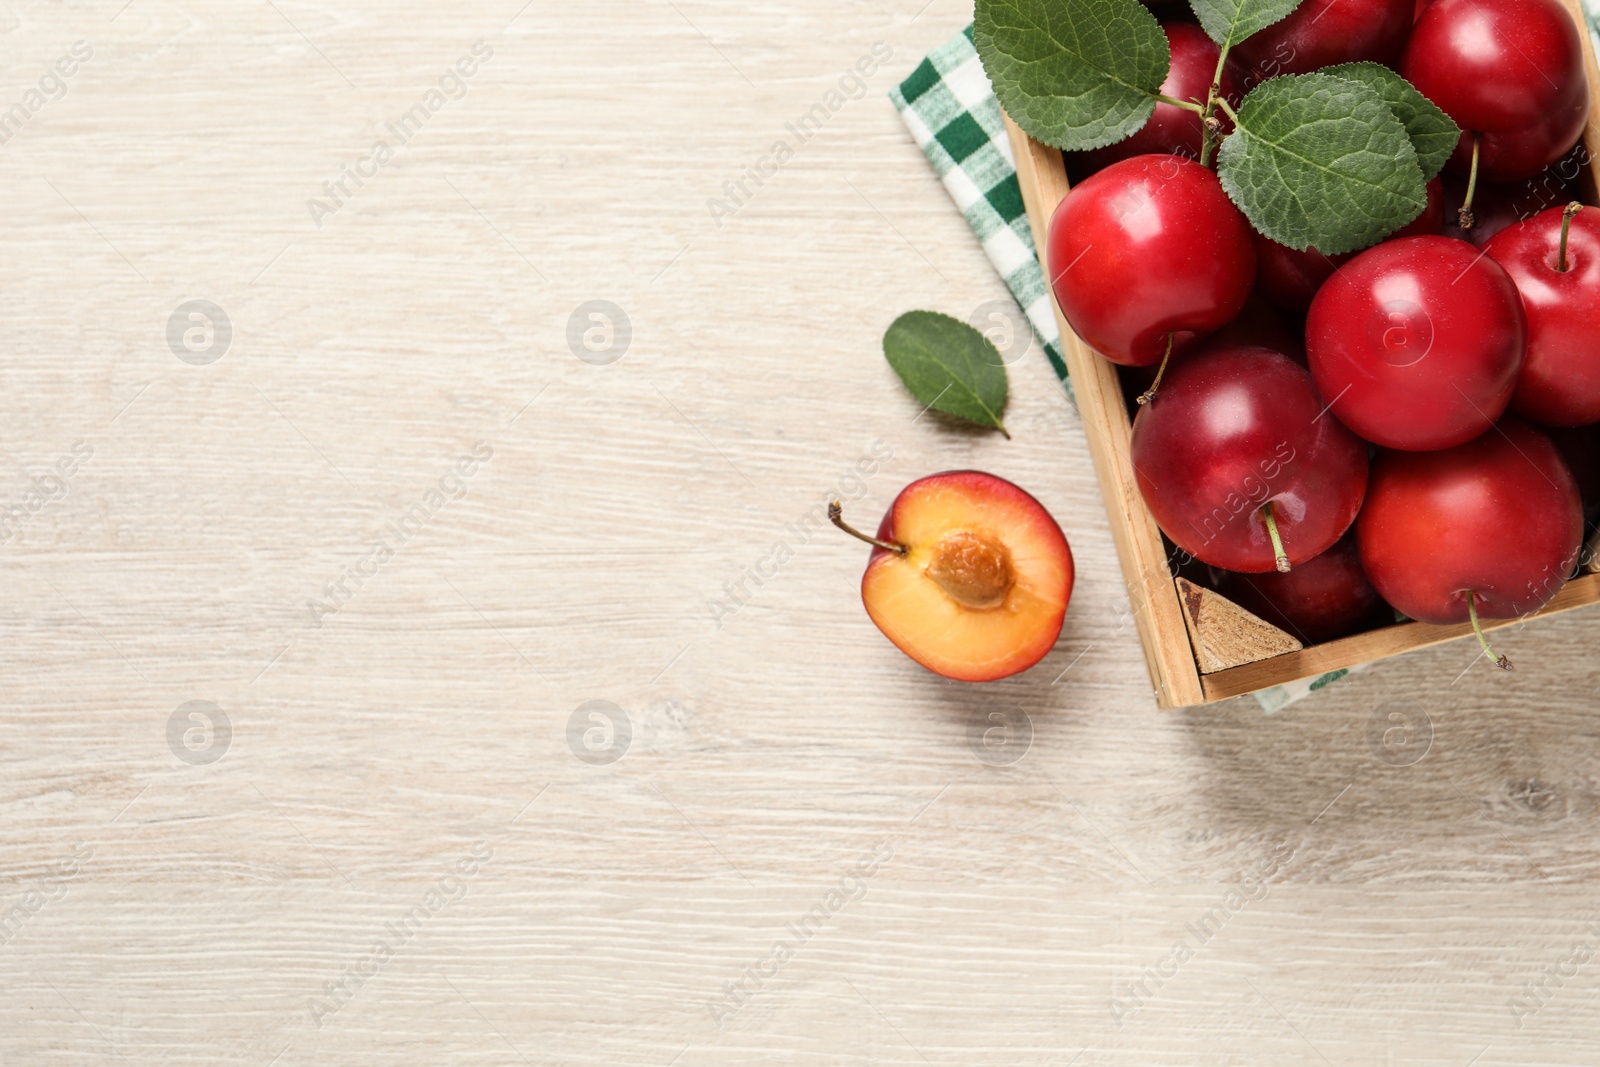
1182,627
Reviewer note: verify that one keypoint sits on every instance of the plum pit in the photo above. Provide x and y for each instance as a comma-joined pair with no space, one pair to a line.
974,570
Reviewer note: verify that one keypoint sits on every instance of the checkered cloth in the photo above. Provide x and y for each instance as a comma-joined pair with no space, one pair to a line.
953,115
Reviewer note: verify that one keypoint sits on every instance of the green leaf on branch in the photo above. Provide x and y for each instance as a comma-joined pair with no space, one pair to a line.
1074,74
948,366
1321,160
1432,132
1231,21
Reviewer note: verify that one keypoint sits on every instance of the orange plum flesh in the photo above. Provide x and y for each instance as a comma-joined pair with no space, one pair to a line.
983,587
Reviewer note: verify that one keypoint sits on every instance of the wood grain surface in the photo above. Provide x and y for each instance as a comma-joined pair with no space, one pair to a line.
399,830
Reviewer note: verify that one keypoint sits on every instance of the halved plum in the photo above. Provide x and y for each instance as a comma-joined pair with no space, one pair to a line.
969,576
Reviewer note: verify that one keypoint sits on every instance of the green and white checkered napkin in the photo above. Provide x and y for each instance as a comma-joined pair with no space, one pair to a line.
951,111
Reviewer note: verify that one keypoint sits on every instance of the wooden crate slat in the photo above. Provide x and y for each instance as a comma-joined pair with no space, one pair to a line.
1591,132
1377,644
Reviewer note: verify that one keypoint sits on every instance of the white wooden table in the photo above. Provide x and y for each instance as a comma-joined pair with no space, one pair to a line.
376,841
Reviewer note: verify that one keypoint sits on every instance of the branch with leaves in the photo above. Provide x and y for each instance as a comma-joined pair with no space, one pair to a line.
1336,160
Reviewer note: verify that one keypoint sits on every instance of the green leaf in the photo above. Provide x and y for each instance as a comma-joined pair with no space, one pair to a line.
1432,132
1228,22
1321,160
1074,74
949,366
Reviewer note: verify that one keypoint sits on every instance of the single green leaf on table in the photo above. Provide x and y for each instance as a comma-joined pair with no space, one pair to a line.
1432,132
1321,160
1074,74
1231,21
949,366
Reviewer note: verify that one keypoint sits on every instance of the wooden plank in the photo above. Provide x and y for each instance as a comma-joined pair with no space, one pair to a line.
1391,911
1157,612
1377,644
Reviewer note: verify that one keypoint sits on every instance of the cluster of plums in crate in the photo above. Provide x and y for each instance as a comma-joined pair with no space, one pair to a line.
1326,440
1398,427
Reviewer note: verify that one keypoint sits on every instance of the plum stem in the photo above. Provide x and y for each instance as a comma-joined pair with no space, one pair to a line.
836,516
1209,128
1464,216
1209,136
1209,124
1232,115
1187,105
1472,612
1566,225
1277,542
1222,62
1150,393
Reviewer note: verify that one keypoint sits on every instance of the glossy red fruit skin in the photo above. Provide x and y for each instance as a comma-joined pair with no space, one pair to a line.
1231,429
1511,70
1560,380
1417,343
1498,515
1147,247
1321,33
1173,129
1290,278
1321,599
